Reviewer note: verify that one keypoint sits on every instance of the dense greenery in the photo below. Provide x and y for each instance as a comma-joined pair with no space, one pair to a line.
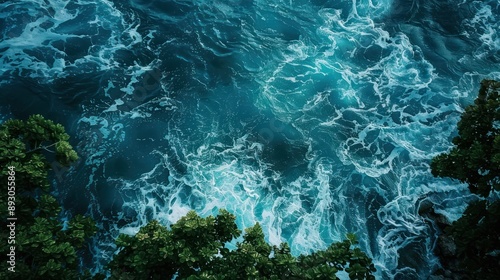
194,248
475,160
45,247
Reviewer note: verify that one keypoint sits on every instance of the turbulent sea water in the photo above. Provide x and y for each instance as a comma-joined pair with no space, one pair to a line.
314,118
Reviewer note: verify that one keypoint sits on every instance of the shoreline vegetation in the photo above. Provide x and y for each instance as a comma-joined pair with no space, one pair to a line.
46,247
469,248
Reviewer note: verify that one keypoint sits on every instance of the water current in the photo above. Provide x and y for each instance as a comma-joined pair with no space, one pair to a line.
314,118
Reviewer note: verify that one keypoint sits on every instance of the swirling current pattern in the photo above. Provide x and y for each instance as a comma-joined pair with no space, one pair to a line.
314,118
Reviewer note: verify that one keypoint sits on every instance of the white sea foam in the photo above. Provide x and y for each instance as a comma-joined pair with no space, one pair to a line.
312,120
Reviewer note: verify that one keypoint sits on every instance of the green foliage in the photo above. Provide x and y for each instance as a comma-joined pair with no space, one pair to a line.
44,248
194,248
475,160
476,235
29,146
190,244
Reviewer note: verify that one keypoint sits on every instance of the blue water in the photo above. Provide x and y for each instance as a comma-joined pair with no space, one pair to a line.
314,118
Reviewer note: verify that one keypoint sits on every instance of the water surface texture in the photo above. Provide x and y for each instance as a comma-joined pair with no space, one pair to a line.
314,118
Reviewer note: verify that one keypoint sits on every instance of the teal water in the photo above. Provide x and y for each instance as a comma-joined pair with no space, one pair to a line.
313,118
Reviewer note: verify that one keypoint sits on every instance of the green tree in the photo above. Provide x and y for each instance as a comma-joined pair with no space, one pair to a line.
194,248
475,160
45,247
475,157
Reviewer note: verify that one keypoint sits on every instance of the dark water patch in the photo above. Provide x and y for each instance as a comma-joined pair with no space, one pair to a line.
307,202
373,202
167,9
33,99
43,54
405,274
121,167
28,97
129,216
76,48
136,155
284,155
108,198
175,162
125,57
159,197
438,28
343,6
411,257
77,90
149,213
374,53
439,16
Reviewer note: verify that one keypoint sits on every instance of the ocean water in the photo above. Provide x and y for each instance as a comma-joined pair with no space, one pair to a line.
314,118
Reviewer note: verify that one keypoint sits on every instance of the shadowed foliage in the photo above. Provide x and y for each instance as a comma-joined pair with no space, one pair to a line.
45,246
475,160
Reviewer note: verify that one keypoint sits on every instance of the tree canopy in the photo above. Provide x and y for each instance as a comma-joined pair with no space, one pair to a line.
194,248
475,160
475,157
44,246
